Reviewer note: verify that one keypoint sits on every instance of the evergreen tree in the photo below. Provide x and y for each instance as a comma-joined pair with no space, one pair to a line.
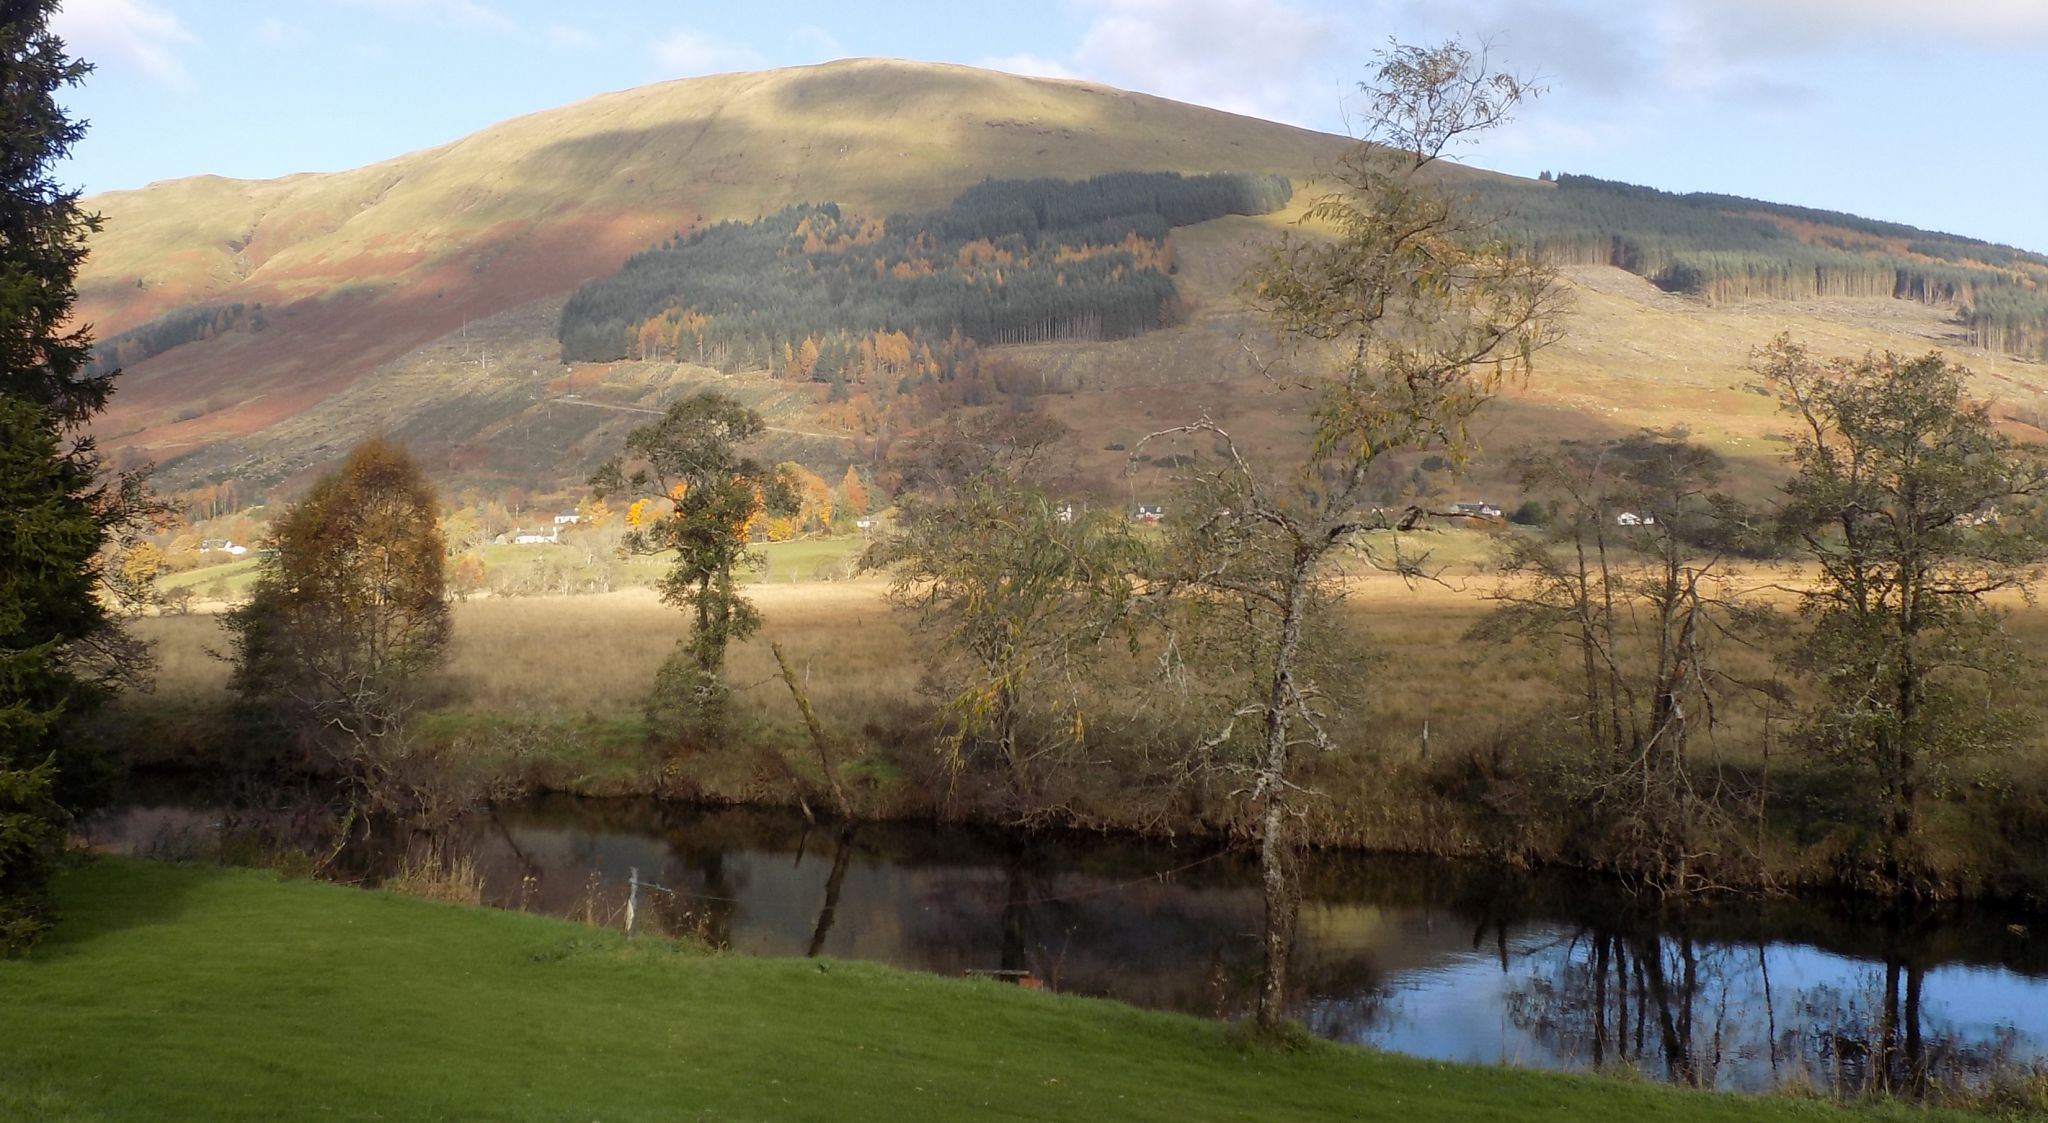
53,514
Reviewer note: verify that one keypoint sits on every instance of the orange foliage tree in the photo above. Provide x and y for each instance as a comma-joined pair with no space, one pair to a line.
852,493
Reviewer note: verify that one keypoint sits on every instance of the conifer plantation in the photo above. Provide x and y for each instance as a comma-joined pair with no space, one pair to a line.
1726,249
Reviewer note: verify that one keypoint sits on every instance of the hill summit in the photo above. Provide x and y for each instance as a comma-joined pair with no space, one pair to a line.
267,325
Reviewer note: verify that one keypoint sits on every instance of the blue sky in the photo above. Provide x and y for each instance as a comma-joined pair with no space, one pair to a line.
1928,113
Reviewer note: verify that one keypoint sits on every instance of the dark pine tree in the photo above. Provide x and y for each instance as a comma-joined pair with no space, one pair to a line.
54,516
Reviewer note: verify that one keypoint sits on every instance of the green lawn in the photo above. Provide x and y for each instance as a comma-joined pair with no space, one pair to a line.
171,992
800,560
235,576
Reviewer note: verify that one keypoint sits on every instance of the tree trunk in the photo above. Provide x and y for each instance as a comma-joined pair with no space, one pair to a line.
1276,855
1915,1082
1600,961
817,731
1283,909
1673,1026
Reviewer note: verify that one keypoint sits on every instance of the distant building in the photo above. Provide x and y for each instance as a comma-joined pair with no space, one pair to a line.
1148,513
1479,510
222,546
1630,518
568,518
535,537
1064,512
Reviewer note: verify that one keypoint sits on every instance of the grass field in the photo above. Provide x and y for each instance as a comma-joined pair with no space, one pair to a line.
596,655
232,578
549,693
178,992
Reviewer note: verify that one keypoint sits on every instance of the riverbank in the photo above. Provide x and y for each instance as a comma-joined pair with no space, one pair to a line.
205,993
1460,749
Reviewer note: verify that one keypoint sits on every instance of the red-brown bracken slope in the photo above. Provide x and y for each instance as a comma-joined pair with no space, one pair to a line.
358,269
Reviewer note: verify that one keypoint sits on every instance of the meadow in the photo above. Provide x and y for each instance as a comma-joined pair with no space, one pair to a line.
193,992
1445,744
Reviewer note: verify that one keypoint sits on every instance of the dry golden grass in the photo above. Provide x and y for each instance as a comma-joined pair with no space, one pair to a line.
600,653
190,654
548,693
858,657
435,874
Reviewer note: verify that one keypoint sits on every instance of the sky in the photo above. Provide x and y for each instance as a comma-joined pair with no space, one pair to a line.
1905,110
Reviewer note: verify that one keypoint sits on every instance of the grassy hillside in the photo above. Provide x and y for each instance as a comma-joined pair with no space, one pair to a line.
419,297
191,993
1727,248
360,269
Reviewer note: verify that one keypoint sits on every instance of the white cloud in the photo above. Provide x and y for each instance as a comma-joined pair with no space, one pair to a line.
1599,48
1778,27
685,53
467,13
1249,56
1619,72
562,37
126,33
1031,66
1747,51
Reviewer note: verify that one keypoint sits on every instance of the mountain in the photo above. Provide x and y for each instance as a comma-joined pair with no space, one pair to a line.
360,269
266,325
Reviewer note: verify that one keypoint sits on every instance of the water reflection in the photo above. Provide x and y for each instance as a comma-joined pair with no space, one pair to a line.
1449,961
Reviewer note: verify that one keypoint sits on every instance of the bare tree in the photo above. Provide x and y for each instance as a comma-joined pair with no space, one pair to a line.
1632,581
1400,314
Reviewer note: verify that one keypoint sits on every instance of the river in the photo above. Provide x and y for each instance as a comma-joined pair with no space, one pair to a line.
1453,961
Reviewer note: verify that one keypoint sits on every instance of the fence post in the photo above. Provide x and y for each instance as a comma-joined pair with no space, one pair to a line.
632,898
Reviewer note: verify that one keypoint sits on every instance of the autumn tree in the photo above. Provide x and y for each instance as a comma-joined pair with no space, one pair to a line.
1915,510
1399,315
814,497
468,576
57,509
129,575
346,617
853,494
694,491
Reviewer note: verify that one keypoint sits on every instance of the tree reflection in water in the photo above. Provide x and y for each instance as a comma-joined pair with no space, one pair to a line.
1611,998
1658,1001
